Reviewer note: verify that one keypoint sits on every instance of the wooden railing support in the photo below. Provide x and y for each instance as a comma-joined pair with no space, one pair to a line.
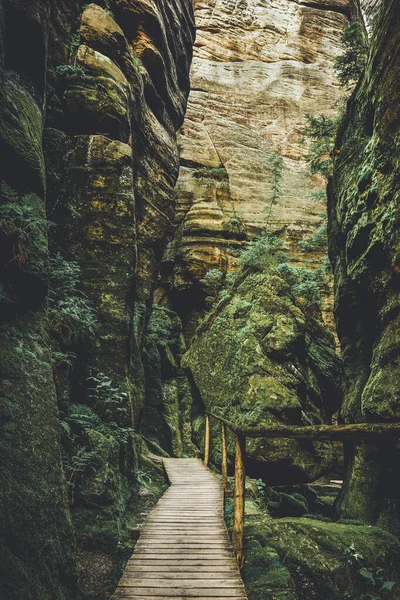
354,432
238,517
224,461
207,442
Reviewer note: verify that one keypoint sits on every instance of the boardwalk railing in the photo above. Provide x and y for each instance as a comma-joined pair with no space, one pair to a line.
342,433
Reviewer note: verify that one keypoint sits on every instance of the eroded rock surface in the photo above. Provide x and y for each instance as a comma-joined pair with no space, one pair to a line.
258,69
307,559
260,359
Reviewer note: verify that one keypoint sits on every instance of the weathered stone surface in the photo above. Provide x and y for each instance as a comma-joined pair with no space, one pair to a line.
168,403
370,9
306,559
258,69
261,359
364,249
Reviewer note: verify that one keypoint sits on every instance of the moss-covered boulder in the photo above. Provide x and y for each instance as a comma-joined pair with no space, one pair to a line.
305,559
262,359
364,249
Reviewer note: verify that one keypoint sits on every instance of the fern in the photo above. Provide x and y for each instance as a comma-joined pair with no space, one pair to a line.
70,312
109,399
23,220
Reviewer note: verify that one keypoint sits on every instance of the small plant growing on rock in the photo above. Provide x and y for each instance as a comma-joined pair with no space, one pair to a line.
71,315
373,579
321,131
263,252
350,65
275,163
318,240
22,221
74,45
70,70
219,174
108,399
213,282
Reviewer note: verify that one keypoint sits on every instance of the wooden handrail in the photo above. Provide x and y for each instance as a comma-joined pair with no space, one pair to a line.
355,431
342,433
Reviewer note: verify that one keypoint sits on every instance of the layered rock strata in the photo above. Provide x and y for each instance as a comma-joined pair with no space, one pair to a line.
258,69
364,250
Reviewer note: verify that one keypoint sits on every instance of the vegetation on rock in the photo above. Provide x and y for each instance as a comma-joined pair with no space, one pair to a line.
350,65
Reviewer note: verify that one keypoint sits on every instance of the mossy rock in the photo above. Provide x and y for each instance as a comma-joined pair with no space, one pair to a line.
305,559
262,359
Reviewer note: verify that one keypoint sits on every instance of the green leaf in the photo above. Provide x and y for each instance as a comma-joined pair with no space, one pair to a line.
367,575
388,585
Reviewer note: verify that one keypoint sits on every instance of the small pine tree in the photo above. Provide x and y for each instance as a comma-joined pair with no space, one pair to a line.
321,131
350,65
275,163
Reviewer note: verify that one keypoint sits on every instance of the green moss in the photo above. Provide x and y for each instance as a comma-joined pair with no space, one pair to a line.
306,559
21,137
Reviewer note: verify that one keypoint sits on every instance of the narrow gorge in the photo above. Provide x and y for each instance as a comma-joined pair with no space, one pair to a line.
199,217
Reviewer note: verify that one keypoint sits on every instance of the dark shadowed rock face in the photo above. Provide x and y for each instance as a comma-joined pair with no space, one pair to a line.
90,99
364,249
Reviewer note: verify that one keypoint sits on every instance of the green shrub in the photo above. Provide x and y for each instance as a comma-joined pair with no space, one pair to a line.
69,70
318,240
321,132
70,312
74,44
214,173
350,65
305,283
263,252
108,399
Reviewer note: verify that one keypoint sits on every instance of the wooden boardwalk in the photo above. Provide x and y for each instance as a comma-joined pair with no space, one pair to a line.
184,550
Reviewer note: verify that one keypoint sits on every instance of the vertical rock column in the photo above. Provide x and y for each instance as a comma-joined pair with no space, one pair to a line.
364,249
113,163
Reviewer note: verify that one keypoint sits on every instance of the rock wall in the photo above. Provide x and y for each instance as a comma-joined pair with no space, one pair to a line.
262,358
364,250
370,9
90,99
258,69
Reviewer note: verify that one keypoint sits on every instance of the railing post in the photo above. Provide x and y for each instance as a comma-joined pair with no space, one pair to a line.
207,442
240,480
224,461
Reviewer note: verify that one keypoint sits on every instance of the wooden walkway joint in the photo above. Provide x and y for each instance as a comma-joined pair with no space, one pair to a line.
184,550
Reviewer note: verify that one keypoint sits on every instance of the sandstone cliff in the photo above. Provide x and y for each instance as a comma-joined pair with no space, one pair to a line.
364,249
258,69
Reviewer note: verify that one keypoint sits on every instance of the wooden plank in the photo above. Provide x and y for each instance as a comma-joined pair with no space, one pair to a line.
181,592
121,596
200,573
179,583
184,550
160,568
